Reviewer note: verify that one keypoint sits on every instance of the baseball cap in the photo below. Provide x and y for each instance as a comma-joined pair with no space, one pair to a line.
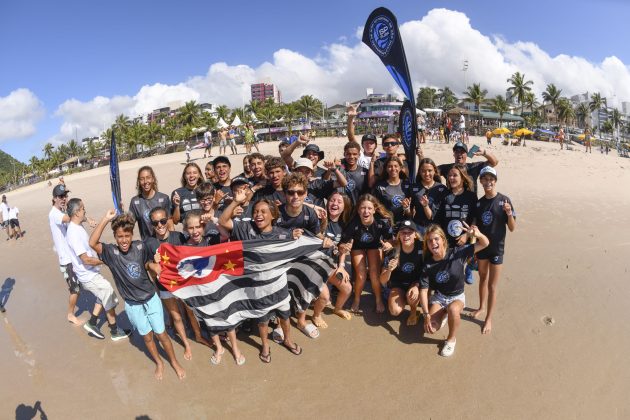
368,137
60,190
460,145
406,224
488,170
239,180
303,163
221,159
313,148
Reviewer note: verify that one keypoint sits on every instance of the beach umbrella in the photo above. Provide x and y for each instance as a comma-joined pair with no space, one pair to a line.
500,130
523,132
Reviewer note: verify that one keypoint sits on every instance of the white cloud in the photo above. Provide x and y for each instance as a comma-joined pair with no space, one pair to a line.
436,47
20,112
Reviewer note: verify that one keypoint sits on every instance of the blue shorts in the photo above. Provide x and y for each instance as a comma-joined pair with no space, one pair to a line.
146,317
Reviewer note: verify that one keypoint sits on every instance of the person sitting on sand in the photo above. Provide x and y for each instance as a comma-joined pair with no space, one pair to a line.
127,260
494,212
85,265
401,270
368,232
443,274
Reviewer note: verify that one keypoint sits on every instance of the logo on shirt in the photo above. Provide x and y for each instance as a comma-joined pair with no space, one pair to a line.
455,228
442,277
486,217
408,267
213,232
397,200
366,237
195,266
133,269
145,215
351,185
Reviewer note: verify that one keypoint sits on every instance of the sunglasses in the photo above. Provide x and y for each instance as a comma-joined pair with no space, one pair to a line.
295,192
159,222
390,144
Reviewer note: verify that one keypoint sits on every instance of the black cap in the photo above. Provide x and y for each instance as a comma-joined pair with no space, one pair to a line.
239,180
221,159
313,148
370,137
406,224
460,145
60,190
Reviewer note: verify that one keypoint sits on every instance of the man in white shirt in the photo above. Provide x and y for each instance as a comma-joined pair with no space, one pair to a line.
4,213
207,142
58,221
14,223
85,264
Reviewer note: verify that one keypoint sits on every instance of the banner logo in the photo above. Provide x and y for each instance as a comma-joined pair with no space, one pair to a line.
382,35
407,128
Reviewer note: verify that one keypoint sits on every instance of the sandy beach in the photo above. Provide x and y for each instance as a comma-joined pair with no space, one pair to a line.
556,350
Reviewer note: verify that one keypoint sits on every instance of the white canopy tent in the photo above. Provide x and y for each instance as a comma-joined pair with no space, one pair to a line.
433,110
221,123
420,112
254,119
236,122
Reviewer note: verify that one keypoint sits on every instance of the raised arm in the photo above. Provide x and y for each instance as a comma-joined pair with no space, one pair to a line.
286,153
352,113
95,237
490,158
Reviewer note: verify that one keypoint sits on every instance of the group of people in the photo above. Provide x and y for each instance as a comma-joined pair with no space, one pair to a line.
9,219
416,240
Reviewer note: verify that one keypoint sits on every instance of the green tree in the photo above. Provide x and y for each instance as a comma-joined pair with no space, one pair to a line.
309,106
48,149
446,98
476,95
582,112
500,106
519,87
565,111
551,95
223,112
290,114
267,116
427,97
615,118
189,114
73,148
596,103
153,135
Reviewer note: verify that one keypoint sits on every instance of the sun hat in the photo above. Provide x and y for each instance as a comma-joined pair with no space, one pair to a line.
303,163
313,148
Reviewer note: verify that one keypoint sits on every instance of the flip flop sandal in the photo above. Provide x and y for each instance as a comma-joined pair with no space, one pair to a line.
213,358
296,350
265,358
240,361
277,335
310,330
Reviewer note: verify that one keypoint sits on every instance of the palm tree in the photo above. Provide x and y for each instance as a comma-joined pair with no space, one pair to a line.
121,124
152,136
500,106
92,150
309,106
582,112
267,116
48,149
519,87
615,118
253,106
189,113
135,136
531,102
551,95
73,148
223,112
446,98
426,98
476,95
565,111
289,113
596,103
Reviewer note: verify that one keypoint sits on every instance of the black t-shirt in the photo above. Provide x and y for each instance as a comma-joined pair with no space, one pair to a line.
473,169
140,207
492,221
379,167
367,237
187,201
319,190
435,194
270,193
447,275
409,267
211,233
247,213
357,183
307,220
130,275
453,210
243,231
227,190
152,243
334,230
392,196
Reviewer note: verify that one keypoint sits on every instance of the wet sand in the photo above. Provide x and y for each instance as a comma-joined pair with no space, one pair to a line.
557,348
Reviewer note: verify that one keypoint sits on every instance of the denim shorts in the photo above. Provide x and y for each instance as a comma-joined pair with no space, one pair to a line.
444,300
146,317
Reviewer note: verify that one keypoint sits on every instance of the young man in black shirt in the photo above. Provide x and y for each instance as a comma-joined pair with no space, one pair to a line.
127,261
356,176
460,154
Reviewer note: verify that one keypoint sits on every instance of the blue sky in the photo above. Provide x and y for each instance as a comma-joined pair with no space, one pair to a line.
80,50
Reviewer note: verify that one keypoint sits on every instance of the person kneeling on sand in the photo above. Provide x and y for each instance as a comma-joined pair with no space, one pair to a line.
85,265
443,273
127,261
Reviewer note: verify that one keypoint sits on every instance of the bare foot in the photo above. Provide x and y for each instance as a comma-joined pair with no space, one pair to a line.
203,341
413,319
187,353
159,371
319,322
181,373
74,320
380,308
487,327
475,314
342,314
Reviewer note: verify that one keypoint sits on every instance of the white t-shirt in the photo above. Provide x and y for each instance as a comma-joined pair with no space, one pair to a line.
206,137
364,161
79,244
5,211
58,230
13,213
462,122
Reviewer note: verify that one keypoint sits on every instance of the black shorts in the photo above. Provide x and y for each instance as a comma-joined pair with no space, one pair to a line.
275,312
71,278
14,223
402,286
494,257
5,224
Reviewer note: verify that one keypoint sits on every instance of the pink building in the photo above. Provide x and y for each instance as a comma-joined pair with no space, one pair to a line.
262,91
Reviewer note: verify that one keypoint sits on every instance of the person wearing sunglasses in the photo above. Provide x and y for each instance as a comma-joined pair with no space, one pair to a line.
147,199
377,166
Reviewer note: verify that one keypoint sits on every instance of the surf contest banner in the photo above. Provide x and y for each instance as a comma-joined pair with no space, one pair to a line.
114,176
382,35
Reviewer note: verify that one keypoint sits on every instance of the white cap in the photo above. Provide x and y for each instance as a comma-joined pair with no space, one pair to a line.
303,163
488,170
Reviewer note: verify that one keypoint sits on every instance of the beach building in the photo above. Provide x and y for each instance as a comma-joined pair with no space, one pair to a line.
262,91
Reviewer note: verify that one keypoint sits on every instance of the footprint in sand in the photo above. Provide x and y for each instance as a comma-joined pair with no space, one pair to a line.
548,320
